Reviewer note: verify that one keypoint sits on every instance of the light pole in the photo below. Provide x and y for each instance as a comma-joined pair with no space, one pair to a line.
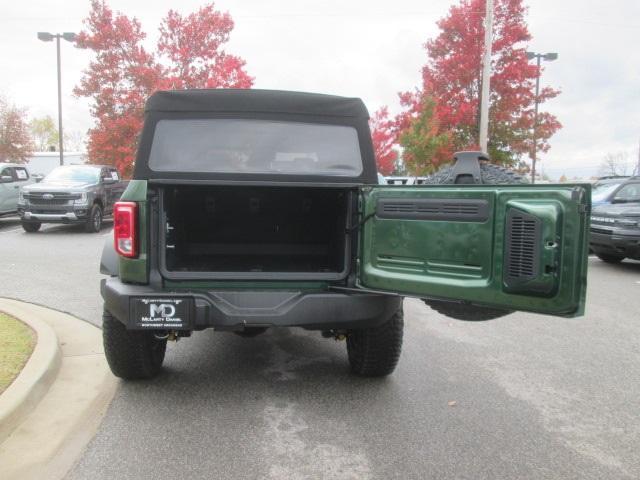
483,140
539,57
48,37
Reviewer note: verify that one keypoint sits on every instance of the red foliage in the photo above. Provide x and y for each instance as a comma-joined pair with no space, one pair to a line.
123,74
15,142
384,136
193,45
452,76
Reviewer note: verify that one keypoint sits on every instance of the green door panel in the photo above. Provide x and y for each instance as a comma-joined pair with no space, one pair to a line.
518,247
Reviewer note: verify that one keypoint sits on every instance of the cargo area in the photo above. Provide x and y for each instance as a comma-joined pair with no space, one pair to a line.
255,230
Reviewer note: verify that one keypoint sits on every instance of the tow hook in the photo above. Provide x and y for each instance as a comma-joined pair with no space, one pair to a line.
337,335
170,335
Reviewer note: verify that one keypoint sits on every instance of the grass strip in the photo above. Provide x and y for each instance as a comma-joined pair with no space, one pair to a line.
17,341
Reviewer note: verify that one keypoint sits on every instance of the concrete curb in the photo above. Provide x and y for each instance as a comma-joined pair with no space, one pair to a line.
33,382
54,434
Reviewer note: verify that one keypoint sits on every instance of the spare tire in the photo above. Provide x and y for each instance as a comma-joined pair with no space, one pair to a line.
490,175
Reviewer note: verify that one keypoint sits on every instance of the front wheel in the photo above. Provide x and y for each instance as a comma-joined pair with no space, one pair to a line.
131,354
31,227
94,221
375,351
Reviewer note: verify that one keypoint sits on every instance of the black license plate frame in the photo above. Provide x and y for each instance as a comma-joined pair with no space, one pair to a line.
161,313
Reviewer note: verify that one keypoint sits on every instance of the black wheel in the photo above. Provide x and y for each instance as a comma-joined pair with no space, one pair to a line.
131,354
31,227
490,175
375,351
468,313
609,258
94,221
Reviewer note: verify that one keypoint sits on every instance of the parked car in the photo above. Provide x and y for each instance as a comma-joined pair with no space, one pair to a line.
606,189
256,209
12,177
71,194
615,228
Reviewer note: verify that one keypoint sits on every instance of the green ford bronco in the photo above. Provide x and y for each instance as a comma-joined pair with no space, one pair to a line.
254,209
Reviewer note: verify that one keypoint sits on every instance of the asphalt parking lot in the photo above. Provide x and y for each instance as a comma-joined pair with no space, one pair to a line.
525,396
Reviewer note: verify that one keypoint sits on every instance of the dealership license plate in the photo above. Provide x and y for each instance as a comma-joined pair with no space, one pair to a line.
161,313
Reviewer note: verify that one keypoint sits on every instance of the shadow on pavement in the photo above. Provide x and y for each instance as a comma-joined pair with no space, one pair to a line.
9,223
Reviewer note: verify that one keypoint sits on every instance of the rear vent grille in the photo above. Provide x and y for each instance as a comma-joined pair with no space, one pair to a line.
461,209
523,247
398,207
433,209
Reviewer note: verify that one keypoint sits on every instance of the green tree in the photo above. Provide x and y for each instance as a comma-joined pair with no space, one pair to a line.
44,133
422,142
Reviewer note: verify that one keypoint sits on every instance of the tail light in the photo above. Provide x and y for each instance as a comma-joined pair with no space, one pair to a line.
125,228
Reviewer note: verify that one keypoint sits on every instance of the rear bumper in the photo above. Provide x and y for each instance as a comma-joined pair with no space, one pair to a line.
236,310
615,243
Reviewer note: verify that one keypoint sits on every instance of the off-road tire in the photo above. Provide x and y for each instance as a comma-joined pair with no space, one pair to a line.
490,175
375,351
31,227
468,313
609,258
131,354
94,220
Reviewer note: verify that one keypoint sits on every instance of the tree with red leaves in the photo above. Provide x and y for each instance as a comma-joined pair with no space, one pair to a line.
193,47
384,136
123,74
452,76
15,141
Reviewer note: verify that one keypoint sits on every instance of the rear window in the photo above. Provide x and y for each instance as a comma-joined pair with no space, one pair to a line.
255,146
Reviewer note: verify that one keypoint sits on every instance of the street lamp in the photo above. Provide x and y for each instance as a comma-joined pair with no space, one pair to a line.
48,37
549,57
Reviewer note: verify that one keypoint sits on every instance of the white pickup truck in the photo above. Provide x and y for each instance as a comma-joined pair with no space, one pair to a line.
13,176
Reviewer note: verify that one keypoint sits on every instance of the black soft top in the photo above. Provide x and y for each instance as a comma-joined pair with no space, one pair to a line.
256,101
262,104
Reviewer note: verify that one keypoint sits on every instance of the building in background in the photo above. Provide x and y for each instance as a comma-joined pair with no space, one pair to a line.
43,162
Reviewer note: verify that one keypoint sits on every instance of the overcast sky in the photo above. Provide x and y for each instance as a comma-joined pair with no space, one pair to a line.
367,49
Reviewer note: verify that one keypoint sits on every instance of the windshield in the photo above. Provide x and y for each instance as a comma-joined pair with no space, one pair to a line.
73,174
255,146
600,192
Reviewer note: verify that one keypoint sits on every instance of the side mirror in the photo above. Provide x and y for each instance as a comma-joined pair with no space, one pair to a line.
6,179
37,177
